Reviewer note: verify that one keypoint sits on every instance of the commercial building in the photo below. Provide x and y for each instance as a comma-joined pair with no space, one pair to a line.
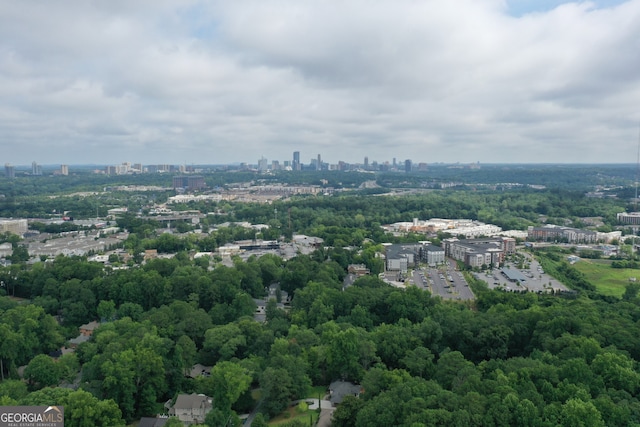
296,166
188,182
9,171
14,226
632,218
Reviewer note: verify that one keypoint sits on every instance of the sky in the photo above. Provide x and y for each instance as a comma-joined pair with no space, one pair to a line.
214,82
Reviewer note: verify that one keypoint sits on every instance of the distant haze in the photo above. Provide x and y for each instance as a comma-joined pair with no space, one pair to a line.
212,82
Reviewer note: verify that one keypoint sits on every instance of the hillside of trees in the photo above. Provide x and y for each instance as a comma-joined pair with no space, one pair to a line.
505,359
508,359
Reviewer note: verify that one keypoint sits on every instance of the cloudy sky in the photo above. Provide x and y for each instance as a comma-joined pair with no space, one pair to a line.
209,82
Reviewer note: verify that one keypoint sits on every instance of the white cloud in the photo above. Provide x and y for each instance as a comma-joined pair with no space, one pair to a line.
211,82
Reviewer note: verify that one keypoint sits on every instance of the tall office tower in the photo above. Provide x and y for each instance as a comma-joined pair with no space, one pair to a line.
319,163
64,170
262,164
394,163
9,171
296,161
36,169
275,165
366,162
407,166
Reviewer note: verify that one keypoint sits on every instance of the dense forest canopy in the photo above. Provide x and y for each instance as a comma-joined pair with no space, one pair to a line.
507,359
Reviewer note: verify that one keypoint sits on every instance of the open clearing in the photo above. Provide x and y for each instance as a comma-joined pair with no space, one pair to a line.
607,280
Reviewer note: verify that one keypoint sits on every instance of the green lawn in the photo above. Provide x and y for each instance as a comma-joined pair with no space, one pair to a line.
607,280
296,412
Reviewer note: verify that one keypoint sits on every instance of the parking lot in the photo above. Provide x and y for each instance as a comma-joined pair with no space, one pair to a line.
530,279
449,283
446,282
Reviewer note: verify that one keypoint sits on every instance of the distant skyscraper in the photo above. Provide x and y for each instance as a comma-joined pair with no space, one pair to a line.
9,171
64,170
36,169
296,161
319,163
407,166
262,164
366,162
394,163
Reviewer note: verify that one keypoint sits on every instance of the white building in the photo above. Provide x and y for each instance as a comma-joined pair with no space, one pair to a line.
14,226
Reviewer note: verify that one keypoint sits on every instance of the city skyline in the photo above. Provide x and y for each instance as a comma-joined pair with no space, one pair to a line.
490,81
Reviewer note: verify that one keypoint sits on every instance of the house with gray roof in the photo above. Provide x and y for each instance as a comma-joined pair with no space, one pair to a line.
191,408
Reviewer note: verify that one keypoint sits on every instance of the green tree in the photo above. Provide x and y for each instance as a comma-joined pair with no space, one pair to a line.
581,414
134,378
346,414
42,371
106,310
276,385
9,348
226,384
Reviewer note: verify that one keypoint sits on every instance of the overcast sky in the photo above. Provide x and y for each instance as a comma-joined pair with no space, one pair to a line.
209,82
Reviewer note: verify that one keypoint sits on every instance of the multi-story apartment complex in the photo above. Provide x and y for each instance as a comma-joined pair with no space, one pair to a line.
15,226
565,234
632,218
479,252
405,256
36,169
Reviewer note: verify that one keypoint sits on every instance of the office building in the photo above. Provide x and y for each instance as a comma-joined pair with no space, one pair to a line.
262,164
407,166
64,170
296,166
188,183
9,171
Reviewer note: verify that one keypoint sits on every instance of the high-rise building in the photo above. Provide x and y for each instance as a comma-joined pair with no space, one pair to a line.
296,161
407,166
64,170
36,169
9,171
366,162
188,182
262,164
319,163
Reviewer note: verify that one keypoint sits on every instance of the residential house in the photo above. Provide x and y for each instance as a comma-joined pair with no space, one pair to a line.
191,408
338,390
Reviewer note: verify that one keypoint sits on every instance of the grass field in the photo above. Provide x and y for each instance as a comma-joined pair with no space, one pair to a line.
607,280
